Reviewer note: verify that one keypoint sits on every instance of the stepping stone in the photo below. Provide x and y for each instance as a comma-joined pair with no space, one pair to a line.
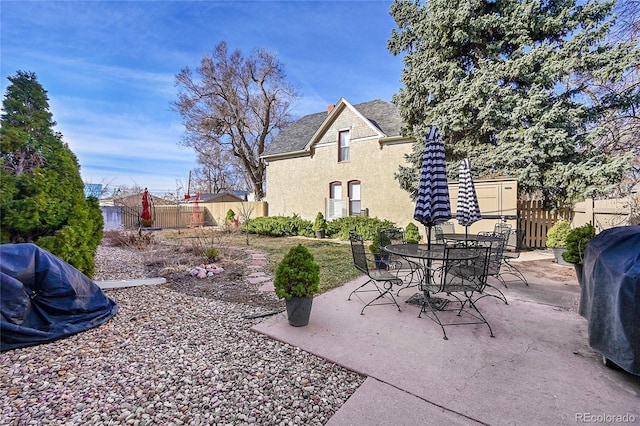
258,280
267,286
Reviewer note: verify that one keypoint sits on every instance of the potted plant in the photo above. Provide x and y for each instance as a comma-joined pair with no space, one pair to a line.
297,279
557,240
411,234
320,225
576,242
380,257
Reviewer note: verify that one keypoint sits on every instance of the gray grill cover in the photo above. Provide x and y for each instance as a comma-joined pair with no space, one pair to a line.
44,298
610,295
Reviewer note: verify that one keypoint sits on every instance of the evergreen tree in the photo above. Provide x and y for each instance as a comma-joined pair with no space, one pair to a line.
501,81
41,191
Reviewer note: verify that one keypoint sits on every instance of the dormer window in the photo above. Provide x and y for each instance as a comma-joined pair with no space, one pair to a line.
343,145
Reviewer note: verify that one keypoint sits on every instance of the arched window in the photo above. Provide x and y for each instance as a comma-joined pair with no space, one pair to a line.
335,190
354,198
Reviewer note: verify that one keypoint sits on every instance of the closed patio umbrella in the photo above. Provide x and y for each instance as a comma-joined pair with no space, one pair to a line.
467,208
432,204
146,209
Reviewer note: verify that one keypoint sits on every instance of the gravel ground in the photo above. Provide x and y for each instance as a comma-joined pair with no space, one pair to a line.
178,353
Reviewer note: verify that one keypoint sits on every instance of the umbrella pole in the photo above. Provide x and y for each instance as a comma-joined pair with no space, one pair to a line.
429,237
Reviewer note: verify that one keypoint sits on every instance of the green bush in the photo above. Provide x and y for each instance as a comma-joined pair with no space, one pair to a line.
577,240
212,253
297,275
557,234
380,240
230,217
320,224
412,234
282,226
279,226
366,227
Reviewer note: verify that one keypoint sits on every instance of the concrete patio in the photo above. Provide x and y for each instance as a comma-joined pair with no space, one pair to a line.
538,370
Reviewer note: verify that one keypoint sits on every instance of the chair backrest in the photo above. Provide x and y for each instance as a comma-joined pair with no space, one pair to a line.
437,234
515,242
501,227
448,228
495,242
465,268
358,252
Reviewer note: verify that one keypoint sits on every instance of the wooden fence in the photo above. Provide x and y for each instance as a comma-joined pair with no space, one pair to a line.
534,221
189,215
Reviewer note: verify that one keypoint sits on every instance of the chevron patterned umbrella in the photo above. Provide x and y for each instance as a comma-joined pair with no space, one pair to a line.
467,208
432,205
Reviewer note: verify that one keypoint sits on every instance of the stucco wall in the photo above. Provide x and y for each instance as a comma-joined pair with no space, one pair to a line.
301,185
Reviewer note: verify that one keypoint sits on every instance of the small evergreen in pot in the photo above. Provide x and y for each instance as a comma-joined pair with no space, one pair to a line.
557,239
297,279
577,240
411,234
320,225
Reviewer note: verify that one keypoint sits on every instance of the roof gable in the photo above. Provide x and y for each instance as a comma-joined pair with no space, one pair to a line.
299,136
336,112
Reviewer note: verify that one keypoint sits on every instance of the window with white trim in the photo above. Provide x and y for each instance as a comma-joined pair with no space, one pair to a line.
354,198
343,145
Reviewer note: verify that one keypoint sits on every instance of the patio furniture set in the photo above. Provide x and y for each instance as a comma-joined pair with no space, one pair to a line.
450,273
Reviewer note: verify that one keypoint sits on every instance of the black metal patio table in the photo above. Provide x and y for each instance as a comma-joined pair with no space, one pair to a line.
461,237
424,255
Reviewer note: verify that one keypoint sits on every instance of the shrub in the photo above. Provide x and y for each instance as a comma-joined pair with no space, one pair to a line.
297,275
379,241
366,227
412,234
557,234
212,253
230,217
576,243
279,226
320,224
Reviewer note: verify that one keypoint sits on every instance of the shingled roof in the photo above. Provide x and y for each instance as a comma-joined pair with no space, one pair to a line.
295,137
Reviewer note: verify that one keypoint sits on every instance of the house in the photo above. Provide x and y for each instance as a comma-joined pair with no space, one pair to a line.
340,162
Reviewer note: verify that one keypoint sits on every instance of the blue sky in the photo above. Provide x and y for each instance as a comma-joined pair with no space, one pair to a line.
109,68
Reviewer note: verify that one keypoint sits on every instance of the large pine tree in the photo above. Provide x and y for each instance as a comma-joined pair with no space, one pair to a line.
501,80
41,192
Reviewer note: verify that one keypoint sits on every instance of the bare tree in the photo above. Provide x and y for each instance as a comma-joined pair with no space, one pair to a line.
220,171
236,103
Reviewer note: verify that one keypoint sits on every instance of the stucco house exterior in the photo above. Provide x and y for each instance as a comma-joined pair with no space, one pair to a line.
340,162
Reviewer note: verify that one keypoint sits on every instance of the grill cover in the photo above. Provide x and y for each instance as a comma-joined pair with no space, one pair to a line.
43,298
610,295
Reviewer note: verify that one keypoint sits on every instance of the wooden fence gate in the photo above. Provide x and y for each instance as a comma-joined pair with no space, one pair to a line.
535,221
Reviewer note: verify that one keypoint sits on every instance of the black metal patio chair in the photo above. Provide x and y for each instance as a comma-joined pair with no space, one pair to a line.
380,281
403,268
495,242
462,277
513,245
